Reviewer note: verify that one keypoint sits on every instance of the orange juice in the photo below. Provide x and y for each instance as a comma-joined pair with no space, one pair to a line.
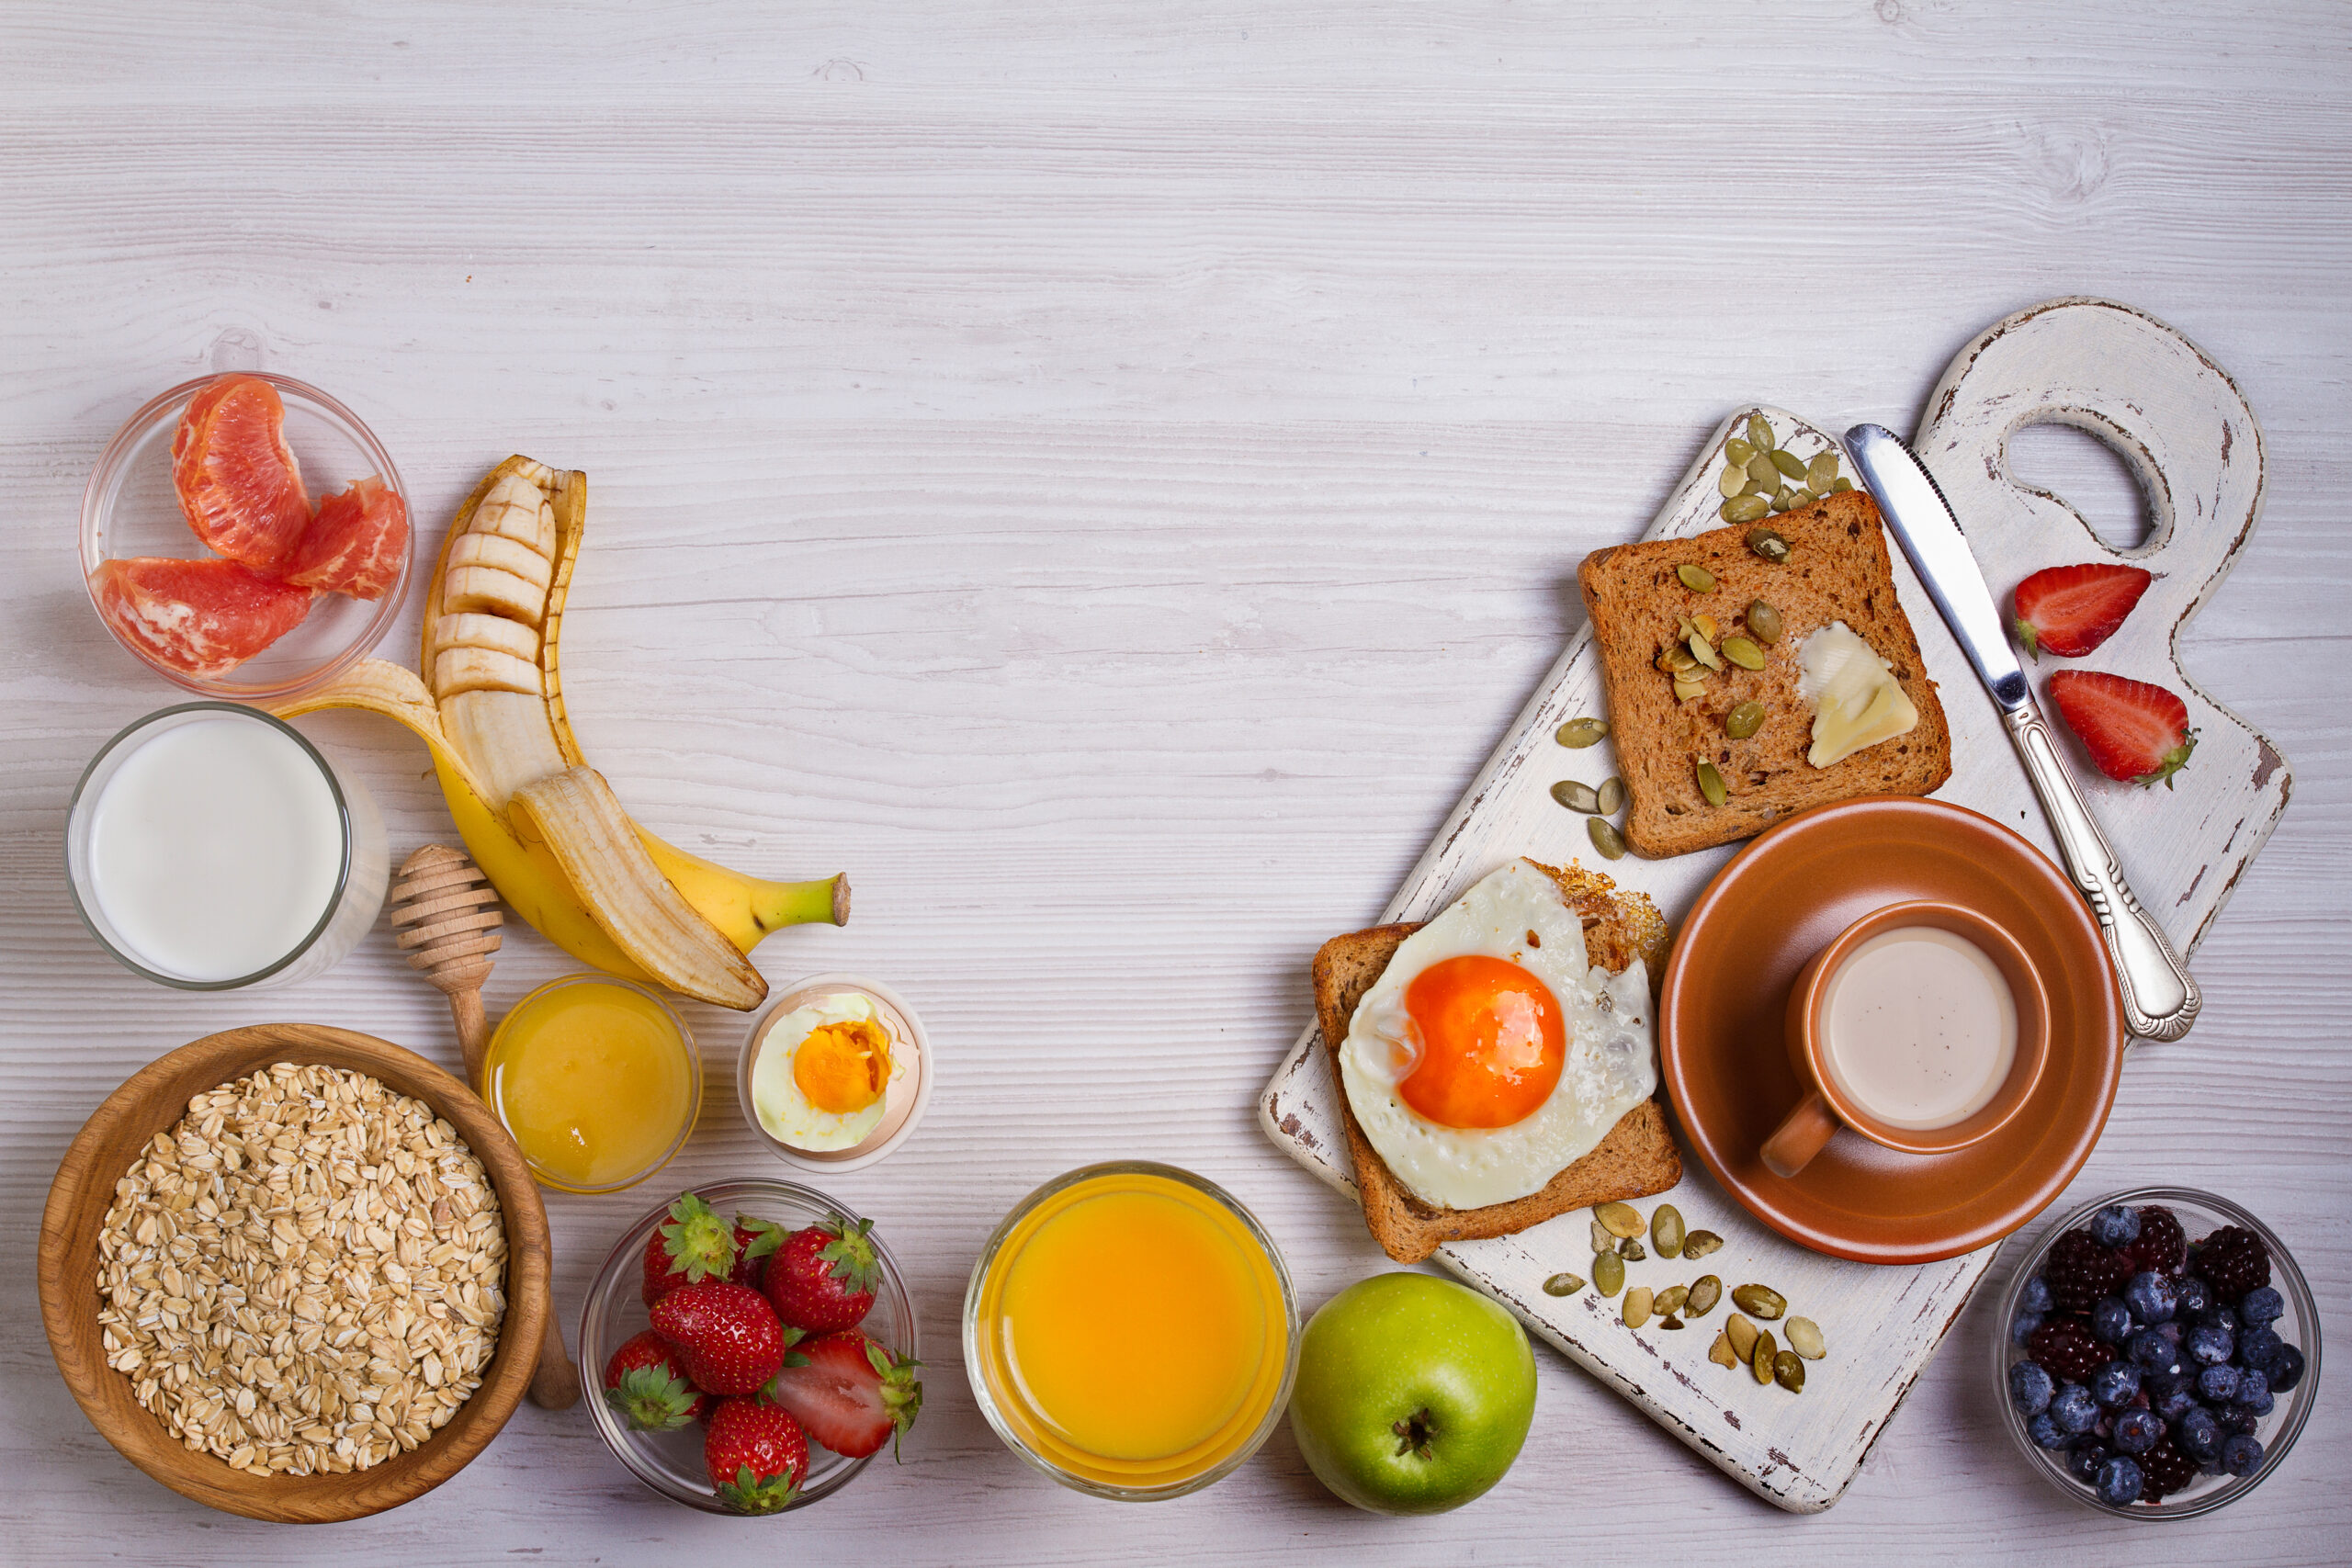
1132,1330
596,1080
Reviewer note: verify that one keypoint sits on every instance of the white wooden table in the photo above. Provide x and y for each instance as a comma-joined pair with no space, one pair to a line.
1105,481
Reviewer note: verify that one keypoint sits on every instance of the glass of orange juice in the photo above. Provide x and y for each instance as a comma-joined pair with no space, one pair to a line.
1130,1331
596,1078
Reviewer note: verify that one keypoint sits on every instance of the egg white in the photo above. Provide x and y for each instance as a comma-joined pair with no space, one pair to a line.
1611,1063
786,1112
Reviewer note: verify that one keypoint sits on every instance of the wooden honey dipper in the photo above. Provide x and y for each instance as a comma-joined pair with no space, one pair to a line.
447,917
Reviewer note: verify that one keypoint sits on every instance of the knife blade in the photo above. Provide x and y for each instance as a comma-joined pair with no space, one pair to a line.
2160,999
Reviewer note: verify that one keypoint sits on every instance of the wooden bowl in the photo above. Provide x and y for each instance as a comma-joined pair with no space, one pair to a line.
155,1098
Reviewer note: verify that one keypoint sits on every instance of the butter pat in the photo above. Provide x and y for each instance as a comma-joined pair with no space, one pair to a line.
1855,698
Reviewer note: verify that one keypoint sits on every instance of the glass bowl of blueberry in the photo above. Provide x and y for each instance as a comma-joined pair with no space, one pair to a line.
2159,1353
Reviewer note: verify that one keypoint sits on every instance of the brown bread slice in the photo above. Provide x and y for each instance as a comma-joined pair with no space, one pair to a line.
1839,569
1636,1158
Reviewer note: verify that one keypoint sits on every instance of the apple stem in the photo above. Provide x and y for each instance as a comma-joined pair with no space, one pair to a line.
1413,1433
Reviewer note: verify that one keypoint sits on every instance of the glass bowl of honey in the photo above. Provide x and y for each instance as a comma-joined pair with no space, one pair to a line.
597,1081
1130,1331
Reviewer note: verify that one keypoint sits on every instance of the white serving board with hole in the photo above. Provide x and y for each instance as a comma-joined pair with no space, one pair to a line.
2186,431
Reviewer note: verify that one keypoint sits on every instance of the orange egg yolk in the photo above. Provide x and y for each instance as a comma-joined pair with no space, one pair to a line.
842,1067
1492,1043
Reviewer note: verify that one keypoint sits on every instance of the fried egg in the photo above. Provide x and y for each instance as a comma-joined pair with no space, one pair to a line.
824,1076
1491,1054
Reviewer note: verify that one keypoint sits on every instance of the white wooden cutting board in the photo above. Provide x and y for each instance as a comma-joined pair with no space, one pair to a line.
2186,432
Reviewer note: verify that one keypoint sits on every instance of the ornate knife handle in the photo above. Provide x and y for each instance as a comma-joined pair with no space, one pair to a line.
2160,999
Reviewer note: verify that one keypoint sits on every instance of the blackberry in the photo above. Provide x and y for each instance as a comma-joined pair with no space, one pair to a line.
2110,1321
2285,1368
2080,1272
2233,1261
2167,1468
2115,1225
2240,1455
2263,1306
2151,1297
2067,1351
2162,1244
2119,1482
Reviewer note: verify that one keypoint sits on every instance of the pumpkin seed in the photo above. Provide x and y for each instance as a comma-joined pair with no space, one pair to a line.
1721,1352
1764,472
1789,464
1638,1306
1705,1291
1697,579
1759,1360
1632,1251
1666,1229
1669,1300
1608,1273
1738,451
1841,487
1789,1372
1763,622
1619,1219
1703,651
1742,1335
1579,733
1822,472
1677,660
1686,689
1744,508
1805,495
1805,1338
1711,783
1759,433
1669,1321
1744,653
1605,838
1563,1285
1577,795
1733,480
1601,1240
1698,1243
1706,627
1612,795
1764,542
1744,720
1783,498
1761,1300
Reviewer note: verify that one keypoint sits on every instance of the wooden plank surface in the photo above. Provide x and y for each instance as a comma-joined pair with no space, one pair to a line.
1105,479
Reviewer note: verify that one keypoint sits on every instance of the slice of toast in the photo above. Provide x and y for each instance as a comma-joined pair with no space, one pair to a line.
1637,1158
1838,570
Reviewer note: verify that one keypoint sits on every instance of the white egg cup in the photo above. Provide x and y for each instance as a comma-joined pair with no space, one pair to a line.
907,1097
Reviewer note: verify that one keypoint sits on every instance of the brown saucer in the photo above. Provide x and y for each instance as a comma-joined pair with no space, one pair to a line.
1783,899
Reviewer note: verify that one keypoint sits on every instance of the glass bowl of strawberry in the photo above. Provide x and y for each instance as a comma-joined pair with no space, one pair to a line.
751,1346
246,536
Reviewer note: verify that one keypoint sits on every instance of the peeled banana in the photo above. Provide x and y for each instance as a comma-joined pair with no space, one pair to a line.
544,826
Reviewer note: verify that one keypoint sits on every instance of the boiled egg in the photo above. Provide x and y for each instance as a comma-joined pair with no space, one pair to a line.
822,1079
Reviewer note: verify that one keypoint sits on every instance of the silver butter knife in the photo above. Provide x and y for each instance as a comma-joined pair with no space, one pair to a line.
2160,999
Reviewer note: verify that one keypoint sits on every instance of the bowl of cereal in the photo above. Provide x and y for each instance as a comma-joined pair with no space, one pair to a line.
295,1273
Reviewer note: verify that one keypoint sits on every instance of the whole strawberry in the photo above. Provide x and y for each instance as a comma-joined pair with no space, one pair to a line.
823,1278
695,1244
725,1333
756,1455
647,1390
754,1240
850,1392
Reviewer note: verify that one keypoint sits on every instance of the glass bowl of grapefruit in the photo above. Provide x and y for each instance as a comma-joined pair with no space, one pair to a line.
246,536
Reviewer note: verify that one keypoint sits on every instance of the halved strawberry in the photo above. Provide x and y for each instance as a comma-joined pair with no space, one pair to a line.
822,1278
851,1393
2070,610
647,1389
695,1245
2134,732
756,1454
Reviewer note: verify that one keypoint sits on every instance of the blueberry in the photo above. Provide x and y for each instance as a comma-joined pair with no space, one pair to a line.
2116,1383
2153,1350
2136,1431
2195,1296
2257,1345
2210,1345
2074,1409
2237,1418
2218,1317
2030,1387
2253,1397
2115,1225
2021,1327
2045,1433
2110,1320
2241,1454
2181,1400
2218,1384
2198,1435
2085,1457
2151,1296
2263,1305
2285,1368
2119,1482
2036,1296
2172,1330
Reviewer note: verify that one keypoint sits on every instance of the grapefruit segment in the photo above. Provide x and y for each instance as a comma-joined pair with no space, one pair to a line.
205,617
237,479
355,544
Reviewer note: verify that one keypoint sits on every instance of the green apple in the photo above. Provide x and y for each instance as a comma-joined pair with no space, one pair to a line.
1414,1393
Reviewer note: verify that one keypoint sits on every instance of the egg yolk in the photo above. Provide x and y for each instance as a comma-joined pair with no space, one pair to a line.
1492,1043
842,1067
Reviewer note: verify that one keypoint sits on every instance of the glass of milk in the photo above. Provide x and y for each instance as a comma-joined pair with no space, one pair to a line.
211,847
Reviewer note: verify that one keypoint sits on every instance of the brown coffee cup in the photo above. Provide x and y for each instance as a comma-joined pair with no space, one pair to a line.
1805,1130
